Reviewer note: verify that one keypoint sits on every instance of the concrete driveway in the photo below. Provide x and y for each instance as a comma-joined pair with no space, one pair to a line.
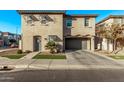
75,60
79,66
87,60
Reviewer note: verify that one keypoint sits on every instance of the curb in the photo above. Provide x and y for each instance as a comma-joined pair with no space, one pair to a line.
72,67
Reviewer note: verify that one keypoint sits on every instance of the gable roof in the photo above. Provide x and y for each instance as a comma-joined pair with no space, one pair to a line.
110,16
54,12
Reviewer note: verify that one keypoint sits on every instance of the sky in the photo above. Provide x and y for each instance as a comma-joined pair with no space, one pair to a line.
10,20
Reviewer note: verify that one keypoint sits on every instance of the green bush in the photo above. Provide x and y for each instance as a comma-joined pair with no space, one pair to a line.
19,52
52,46
27,51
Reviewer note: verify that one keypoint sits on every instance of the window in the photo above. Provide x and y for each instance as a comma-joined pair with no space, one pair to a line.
52,37
30,20
43,19
68,23
122,21
86,22
117,20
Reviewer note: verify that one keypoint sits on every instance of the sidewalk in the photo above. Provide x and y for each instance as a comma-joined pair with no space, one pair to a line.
7,49
58,64
30,55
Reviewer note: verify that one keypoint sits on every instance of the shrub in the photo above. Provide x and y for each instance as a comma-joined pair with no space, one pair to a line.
58,48
52,46
27,51
19,52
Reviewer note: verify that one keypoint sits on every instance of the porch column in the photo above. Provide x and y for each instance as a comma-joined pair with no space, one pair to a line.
88,44
92,44
64,44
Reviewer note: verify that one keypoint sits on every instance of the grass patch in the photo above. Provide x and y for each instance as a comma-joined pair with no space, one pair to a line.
12,54
117,56
41,56
17,56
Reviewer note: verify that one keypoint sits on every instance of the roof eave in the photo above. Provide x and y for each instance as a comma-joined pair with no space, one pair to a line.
83,15
31,12
110,16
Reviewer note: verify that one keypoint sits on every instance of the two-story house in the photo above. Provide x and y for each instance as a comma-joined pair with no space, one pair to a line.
103,43
72,32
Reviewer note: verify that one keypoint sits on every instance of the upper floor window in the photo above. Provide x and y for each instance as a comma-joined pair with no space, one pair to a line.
30,20
122,21
68,23
43,19
52,37
86,21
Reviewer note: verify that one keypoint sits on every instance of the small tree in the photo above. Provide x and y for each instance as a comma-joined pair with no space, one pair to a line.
113,32
52,46
104,32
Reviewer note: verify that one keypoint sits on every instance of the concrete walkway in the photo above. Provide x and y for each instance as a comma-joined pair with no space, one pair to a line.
79,66
30,55
7,49
75,60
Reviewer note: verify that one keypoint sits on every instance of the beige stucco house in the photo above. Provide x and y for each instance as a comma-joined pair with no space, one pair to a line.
103,43
69,31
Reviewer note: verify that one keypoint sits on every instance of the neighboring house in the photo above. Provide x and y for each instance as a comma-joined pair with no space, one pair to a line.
7,36
1,39
103,43
71,32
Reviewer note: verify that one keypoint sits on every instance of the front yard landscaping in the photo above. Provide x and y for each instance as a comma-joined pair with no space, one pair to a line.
117,56
111,55
50,56
12,54
54,52
16,56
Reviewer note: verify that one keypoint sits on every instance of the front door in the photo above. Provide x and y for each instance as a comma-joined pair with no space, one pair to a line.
37,43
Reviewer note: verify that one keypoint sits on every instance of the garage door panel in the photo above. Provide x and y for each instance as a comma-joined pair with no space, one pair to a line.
75,43
84,44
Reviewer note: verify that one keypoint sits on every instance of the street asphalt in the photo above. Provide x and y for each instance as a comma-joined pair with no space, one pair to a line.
80,66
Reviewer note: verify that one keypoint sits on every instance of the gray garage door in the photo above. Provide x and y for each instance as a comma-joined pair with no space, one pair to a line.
75,44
